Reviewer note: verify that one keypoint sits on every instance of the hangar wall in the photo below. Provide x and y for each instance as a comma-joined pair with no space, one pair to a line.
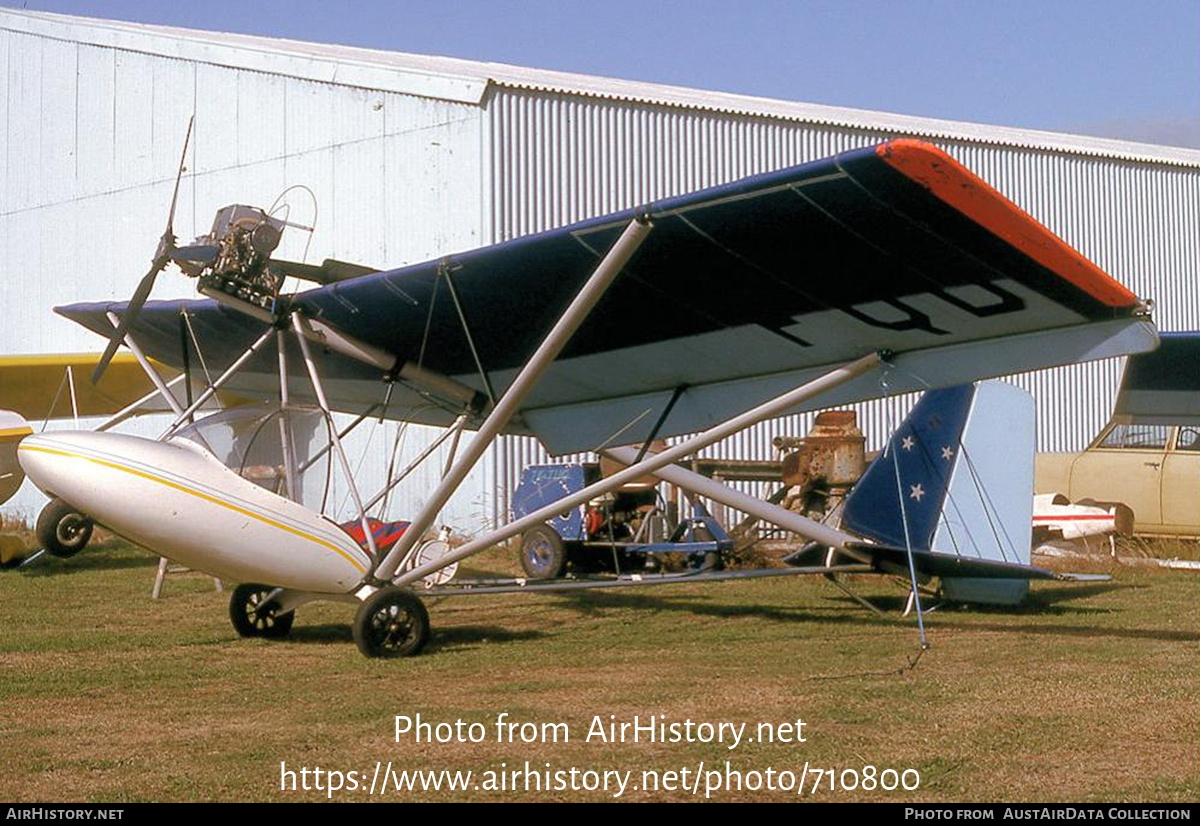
560,157
89,150
410,157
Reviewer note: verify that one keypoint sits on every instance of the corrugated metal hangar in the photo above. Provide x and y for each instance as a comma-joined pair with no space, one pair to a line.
405,158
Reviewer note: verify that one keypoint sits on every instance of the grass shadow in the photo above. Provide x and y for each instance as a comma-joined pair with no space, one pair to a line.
114,557
329,632
595,604
847,613
470,636
450,637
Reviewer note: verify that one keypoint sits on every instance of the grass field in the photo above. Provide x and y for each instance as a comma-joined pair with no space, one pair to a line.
1090,693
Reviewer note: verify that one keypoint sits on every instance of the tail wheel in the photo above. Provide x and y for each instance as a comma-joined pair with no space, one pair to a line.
253,615
543,555
62,530
392,622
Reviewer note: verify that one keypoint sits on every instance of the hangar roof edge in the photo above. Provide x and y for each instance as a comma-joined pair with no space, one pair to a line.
467,81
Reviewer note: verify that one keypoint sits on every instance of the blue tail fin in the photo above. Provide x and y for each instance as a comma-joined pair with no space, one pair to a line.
956,479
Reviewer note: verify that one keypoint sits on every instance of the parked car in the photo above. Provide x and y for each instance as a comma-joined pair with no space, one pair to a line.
1148,455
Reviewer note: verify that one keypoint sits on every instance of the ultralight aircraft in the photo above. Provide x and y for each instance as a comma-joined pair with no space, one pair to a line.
883,270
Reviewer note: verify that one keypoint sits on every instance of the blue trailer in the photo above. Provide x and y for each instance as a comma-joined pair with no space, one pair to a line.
626,530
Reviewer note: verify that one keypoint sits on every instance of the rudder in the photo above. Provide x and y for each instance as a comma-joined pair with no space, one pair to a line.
956,478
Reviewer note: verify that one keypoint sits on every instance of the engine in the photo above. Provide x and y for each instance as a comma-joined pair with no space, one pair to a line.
619,516
243,238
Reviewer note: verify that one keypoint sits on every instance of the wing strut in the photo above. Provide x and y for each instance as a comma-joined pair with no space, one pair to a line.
607,270
656,462
147,367
298,324
776,515
212,389
286,444
132,408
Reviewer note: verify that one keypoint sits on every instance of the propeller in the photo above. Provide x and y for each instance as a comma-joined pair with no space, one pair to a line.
165,253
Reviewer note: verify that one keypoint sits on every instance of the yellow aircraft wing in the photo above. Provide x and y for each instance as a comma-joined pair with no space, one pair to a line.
40,386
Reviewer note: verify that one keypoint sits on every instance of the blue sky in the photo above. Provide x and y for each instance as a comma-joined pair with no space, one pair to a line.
1116,69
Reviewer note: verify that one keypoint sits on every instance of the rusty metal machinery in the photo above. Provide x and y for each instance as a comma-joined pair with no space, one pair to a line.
821,468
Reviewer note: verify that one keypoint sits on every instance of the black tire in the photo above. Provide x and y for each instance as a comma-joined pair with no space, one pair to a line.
252,616
62,530
543,555
392,622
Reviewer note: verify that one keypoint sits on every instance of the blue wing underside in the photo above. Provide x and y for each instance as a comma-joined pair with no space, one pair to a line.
739,292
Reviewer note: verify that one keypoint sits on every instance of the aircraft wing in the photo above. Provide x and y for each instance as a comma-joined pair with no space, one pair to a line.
739,293
1163,387
38,386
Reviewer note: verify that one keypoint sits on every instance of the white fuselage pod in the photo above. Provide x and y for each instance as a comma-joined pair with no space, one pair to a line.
179,501
1054,513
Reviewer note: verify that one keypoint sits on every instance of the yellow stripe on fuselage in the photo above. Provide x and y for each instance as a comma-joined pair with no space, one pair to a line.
200,495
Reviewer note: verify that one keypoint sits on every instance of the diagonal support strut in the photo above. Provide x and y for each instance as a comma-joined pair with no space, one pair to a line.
607,270
655,462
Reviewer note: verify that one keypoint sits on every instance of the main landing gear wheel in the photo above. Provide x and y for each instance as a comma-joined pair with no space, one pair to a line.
62,530
392,622
253,616
543,555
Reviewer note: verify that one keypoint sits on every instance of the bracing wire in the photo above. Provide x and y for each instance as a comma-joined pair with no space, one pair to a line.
187,320
949,495
54,404
362,459
428,322
989,507
397,445
989,510
912,568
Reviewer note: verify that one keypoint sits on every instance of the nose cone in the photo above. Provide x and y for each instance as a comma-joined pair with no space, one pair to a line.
185,505
54,462
36,459
86,468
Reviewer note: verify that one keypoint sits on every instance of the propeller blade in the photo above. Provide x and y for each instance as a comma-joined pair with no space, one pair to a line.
127,318
166,252
170,231
203,254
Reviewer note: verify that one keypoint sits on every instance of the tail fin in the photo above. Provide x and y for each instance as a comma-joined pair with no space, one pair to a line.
13,428
956,479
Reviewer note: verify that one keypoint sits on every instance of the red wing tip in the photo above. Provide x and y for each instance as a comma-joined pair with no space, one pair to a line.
910,149
954,184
